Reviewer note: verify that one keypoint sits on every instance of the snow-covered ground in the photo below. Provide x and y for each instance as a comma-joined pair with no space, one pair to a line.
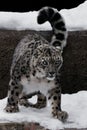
76,19
75,104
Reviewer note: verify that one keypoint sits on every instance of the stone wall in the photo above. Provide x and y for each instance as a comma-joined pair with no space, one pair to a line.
74,69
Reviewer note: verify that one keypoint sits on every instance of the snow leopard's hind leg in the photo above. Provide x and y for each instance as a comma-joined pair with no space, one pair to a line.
41,100
23,100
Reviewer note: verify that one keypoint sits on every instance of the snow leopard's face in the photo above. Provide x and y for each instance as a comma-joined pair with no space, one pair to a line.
46,62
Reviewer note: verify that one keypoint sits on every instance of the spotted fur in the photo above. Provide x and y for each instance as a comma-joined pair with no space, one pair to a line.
58,25
35,71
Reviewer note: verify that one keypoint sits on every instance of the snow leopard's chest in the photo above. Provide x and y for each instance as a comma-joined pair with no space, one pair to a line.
34,84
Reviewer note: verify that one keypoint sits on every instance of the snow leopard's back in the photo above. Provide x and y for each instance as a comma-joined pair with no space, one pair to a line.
28,43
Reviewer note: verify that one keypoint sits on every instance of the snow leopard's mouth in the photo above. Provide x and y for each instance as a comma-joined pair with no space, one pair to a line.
50,78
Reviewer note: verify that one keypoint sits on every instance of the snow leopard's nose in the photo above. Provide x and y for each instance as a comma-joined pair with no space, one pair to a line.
51,74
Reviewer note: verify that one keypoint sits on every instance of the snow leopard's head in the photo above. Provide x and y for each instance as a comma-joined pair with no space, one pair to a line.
46,61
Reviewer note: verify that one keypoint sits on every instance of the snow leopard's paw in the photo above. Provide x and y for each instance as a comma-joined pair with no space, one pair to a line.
61,115
24,102
11,109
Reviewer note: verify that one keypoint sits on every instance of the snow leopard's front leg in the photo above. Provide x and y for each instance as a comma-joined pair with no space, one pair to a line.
55,96
21,68
13,96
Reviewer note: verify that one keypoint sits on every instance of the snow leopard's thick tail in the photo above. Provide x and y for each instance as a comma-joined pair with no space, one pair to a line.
58,25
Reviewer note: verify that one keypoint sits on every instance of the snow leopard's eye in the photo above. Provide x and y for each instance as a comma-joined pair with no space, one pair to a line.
44,62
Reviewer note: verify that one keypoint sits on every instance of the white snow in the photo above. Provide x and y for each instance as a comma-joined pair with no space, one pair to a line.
21,21
75,19
75,104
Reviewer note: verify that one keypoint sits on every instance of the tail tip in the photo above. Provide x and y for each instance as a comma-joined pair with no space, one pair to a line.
42,15
40,18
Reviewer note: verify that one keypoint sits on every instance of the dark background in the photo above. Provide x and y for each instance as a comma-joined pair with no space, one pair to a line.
73,76
30,5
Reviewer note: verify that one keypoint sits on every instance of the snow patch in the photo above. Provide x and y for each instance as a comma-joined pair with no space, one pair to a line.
75,104
75,19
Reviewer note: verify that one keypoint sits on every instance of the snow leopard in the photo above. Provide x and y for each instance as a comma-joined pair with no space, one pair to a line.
35,67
